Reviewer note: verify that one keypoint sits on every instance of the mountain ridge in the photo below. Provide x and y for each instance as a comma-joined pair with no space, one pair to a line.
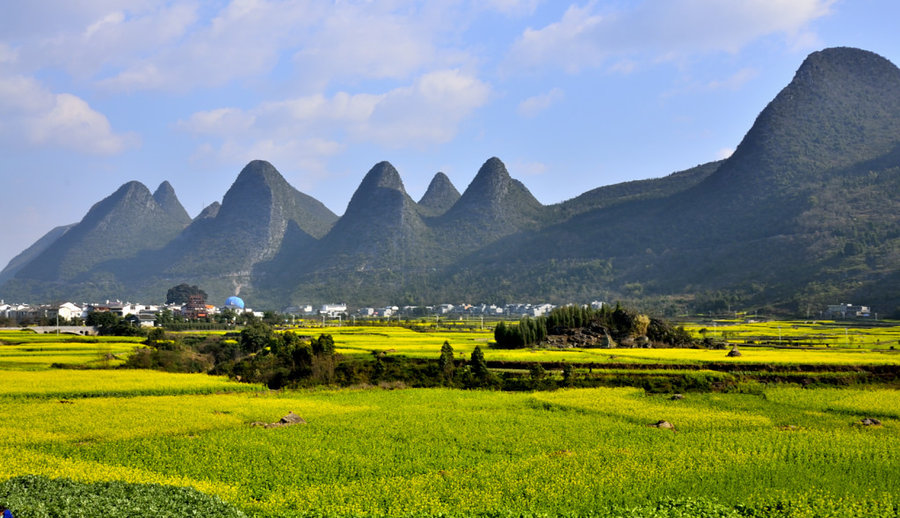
804,212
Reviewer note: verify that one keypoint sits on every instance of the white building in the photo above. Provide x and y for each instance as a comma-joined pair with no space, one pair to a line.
849,311
333,310
67,310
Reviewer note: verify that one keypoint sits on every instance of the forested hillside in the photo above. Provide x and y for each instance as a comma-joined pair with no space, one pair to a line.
804,213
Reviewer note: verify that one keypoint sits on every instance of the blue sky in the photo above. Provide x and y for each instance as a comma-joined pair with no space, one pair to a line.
570,95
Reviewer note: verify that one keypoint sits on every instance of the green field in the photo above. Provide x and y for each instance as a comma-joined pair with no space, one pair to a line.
401,341
819,343
824,333
776,450
789,452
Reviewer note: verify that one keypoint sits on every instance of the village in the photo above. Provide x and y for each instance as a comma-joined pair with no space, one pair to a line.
196,308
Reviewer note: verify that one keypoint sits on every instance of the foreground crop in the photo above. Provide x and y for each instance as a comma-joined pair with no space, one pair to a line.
788,452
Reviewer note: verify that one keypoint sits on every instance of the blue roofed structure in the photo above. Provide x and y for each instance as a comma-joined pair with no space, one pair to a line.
234,302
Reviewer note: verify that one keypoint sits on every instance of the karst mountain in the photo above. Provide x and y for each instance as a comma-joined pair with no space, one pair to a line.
803,213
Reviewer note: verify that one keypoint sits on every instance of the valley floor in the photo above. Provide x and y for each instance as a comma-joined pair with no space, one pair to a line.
779,451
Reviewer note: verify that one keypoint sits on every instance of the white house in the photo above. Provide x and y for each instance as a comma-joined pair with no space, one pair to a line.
849,311
333,310
67,310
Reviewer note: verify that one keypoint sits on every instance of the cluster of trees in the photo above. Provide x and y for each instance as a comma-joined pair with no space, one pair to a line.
527,333
111,324
182,294
281,359
259,354
619,323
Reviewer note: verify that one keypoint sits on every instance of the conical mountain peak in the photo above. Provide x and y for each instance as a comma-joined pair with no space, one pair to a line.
384,175
165,191
440,195
842,106
129,196
380,190
166,198
131,188
493,205
259,169
225,242
821,69
261,194
492,177
383,212
493,191
119,226
210,211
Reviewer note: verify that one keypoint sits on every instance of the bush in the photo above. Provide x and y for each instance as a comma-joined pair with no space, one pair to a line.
32,496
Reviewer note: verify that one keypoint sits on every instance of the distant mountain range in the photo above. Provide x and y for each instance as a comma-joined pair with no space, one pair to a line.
803,214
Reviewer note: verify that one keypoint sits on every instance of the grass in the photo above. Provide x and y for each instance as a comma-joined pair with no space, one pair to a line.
361,340
43,355
396,453
87,437
823,333
63,383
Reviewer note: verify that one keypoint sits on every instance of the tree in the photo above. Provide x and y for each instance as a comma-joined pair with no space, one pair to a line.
323,362
445,362
155,336
164,317
478,368
182,293
272,318
108,323
256,337
379,371
323,345
537,373
102,319
568,374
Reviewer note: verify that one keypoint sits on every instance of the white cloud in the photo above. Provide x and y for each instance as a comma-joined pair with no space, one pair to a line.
735,81
242,40
590,35
33,115
724,153
310,128
528,168
362,41
222,121
569,42
7,54
183,45
110,19
534,105
307,154
511,7
98,40
427,112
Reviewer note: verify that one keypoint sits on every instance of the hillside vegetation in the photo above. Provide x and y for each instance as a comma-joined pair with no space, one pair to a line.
803,214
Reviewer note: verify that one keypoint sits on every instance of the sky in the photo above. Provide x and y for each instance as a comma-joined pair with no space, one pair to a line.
570,95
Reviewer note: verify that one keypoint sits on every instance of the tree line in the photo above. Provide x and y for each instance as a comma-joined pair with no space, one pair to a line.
618,323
